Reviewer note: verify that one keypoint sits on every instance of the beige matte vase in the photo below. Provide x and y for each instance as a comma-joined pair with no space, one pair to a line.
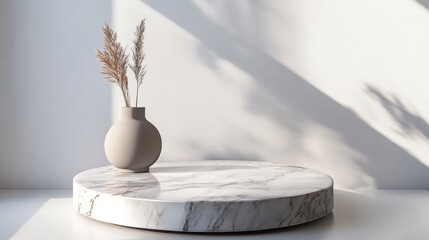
133,144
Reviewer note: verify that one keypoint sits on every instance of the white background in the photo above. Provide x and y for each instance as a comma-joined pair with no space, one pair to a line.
338,86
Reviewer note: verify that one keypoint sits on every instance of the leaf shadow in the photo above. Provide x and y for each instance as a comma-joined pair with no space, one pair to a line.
409,123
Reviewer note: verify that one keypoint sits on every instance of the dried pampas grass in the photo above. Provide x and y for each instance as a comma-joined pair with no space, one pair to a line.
115,60
138,56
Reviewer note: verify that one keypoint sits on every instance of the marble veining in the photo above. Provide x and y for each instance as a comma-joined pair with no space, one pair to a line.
205,196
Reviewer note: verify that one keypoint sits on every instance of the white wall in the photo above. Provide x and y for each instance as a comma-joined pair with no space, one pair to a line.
54,105
339,86
334,85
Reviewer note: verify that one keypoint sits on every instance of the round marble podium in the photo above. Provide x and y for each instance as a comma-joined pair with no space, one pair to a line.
205,196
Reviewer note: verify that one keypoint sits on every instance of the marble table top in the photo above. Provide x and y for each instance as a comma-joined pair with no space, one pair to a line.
211,195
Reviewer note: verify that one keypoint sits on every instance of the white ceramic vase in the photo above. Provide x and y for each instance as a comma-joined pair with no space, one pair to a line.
133,144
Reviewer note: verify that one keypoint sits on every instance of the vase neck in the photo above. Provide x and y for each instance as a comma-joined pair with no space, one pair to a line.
137,113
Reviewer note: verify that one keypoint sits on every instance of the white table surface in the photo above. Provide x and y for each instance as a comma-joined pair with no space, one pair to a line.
370,214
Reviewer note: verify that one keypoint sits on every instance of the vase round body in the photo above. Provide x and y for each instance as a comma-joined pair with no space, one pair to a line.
133,144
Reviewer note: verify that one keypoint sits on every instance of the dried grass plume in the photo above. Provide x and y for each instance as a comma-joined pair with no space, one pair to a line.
138,56
115,60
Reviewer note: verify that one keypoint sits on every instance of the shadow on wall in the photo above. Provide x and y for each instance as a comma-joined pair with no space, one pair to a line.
55,105
301,103
425,3
410,123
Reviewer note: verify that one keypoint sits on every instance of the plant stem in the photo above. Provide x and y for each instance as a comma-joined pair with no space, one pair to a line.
137,96
125,99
